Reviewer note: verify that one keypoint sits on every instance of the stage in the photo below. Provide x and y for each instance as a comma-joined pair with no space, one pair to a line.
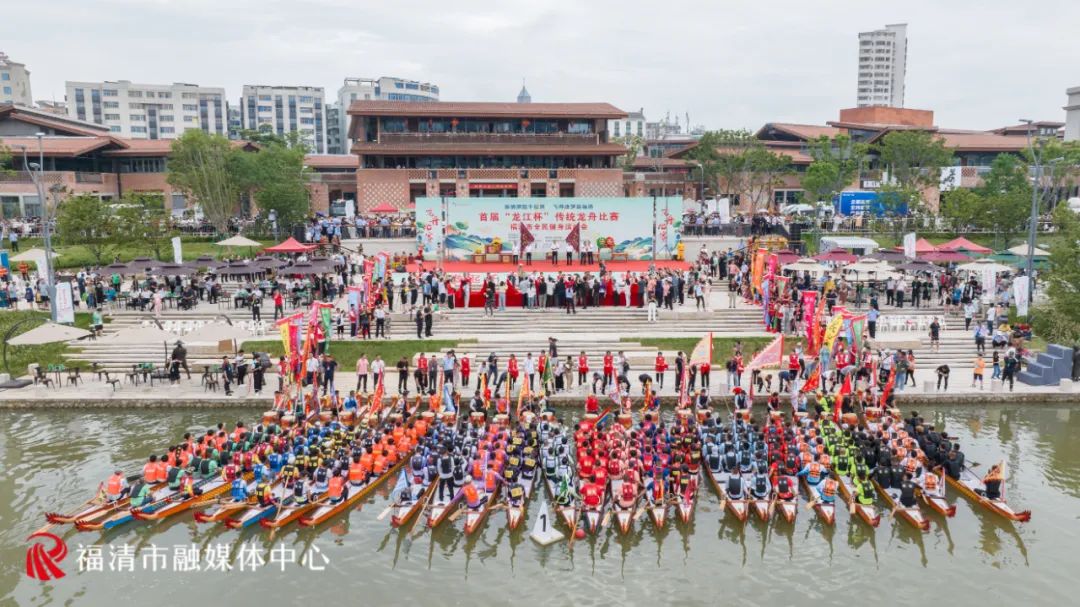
545,266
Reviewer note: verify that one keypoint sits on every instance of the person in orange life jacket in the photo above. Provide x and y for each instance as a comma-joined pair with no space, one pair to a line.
337,490
814,473
149,471
659,368
116,487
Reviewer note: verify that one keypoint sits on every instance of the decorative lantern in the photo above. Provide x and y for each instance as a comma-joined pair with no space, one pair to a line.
453,123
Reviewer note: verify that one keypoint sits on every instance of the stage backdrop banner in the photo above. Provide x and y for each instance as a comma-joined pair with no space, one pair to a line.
490,226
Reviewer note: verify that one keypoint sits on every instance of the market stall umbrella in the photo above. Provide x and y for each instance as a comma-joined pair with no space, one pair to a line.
868,265
384,207
238,241
944,257
963,244
307,269
48,333
289,246
837,256
922,245
268,263
172,269
117,268
785,256
1020,250
804,265
982,265
142,335
241,269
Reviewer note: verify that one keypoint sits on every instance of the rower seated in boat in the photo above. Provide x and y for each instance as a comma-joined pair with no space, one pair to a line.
471,494
116,487
734,487
784,490
515,495
864,492
238,490
187,486
932,485
321,480
760,487
992,481
264,494
300,494
140,493
813,473
826,490
592,494
336,488
566,494
907,491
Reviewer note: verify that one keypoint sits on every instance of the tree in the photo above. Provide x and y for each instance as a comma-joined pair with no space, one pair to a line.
1060,320
740,165
764,170
964,208
141,221
913,160
633,145
1007,194
277,176
87,221
836,164
5,159
1059,171
205,167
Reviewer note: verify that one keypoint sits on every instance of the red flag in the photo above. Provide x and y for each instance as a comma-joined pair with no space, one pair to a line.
812,381
889,385
574,238
771,356
527,237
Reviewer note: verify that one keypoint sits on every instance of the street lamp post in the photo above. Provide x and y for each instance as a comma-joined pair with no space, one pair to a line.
38,179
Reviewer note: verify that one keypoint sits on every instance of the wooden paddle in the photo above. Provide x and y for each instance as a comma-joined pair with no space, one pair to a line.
420,515
851,507
382,515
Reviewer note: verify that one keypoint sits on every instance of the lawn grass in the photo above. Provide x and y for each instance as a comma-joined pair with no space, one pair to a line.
348,352
723,347
19,357
77,256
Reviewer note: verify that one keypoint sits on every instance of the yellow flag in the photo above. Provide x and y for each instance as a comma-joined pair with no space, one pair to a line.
833,329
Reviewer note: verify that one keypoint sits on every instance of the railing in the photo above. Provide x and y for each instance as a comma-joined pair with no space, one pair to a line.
50,177
338,177
492,138
89,178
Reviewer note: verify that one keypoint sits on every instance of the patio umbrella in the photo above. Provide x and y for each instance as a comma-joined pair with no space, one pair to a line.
837,256
384,207
289,246
47,333
982,265
142,335
1020,250
889,256
868,265
785,256
142,264
172,269
306,269
918,266
117,268
963,244
806,264
944,257
238,241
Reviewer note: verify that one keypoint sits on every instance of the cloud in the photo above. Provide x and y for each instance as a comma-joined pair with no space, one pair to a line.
727,64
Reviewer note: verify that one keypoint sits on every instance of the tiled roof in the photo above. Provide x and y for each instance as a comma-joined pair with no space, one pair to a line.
980,141
332,161
802,131
142,147
53,121
56,146
488,149
463,109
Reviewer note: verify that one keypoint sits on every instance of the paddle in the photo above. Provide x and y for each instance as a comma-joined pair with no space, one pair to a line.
851,507
427,501
772,506
382,515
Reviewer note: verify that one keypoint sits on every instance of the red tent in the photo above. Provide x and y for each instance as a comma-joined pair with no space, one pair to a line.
922,245
838,256
944,256
963,244
384,207
785,257
289,246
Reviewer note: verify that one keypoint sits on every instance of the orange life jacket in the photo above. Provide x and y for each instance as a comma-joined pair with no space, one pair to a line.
490,481
149,471
930,482
357,473
336,487
471,495
162,472
115,484
830,488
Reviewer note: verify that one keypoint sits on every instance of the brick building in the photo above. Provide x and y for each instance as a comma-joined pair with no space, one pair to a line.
470,149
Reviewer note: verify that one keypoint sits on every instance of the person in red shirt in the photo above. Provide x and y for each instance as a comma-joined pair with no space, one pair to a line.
609,369
512,372
592,405
703,370
582,368
421,369
352,320
465,370
659,369
279,305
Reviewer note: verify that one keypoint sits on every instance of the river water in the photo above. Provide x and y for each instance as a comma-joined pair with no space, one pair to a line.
54,460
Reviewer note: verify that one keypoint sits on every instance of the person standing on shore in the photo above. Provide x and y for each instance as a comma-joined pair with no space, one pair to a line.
361,373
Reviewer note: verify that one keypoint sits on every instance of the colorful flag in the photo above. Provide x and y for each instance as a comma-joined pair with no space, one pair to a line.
774,262
527,237
771,356
889,385
857,326
832,330
809,298
574,238
845,389
812,382
758,269
702,352
523,394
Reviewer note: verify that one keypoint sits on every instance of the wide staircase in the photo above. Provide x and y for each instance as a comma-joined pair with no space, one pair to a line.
1048,368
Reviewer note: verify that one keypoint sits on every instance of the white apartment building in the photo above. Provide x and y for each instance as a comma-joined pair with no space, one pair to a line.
149,111
1072,114
631,126
286,109
14,83
386,88
882,66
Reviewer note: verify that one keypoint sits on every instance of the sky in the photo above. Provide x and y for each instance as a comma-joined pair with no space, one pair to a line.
727,63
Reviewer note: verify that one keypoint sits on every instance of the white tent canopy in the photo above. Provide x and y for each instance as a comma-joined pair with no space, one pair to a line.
865,266
856,243
142,335
48,333
238,241
1021,250
805,264
983,265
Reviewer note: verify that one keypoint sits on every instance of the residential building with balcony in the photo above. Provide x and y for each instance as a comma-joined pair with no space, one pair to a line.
882,66
476,149
148,111
14,82
286,109
631,126
386,88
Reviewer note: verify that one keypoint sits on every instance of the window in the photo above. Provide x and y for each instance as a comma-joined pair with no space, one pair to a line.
9,207
306,99
7,90
266,108
178,202
32,206
165,118
307,120
399,85
5,76
188,96
134,93
191,107
109,92
114,129
189,119
264,98
112,116
164,95
137,117
306,110
138,129
167,129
